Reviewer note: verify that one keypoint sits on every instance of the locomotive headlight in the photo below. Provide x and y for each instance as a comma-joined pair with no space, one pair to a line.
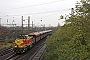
21,46
15,46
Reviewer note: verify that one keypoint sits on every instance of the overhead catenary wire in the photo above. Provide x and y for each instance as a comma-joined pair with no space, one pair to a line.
45,12
6,15
55,13
33,5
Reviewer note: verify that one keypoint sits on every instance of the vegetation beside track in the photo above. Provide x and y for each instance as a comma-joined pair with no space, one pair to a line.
72,41
4,45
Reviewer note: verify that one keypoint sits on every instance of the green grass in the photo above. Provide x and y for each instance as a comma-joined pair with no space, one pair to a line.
3,45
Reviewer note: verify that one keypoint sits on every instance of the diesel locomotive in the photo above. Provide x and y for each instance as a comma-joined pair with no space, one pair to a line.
24,42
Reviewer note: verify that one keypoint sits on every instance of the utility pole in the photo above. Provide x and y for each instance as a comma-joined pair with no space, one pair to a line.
44,27
32,25
72,11
13,22
28,23
7,19
0,23
22,24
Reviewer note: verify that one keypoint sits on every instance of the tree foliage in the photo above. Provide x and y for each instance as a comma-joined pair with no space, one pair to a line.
72,41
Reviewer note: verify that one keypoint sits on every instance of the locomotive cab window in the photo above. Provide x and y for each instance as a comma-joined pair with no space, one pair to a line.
21,37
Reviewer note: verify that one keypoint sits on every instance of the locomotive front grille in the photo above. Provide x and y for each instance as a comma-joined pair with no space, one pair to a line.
18,50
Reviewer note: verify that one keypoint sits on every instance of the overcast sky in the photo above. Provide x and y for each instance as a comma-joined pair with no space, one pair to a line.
48,11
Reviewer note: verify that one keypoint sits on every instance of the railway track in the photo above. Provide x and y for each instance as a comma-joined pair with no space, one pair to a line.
5,51
29,55
38,54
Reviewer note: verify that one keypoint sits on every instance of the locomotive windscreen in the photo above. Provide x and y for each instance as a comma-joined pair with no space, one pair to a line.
21,37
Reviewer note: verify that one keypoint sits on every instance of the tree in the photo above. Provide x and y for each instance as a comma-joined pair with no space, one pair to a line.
72,41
